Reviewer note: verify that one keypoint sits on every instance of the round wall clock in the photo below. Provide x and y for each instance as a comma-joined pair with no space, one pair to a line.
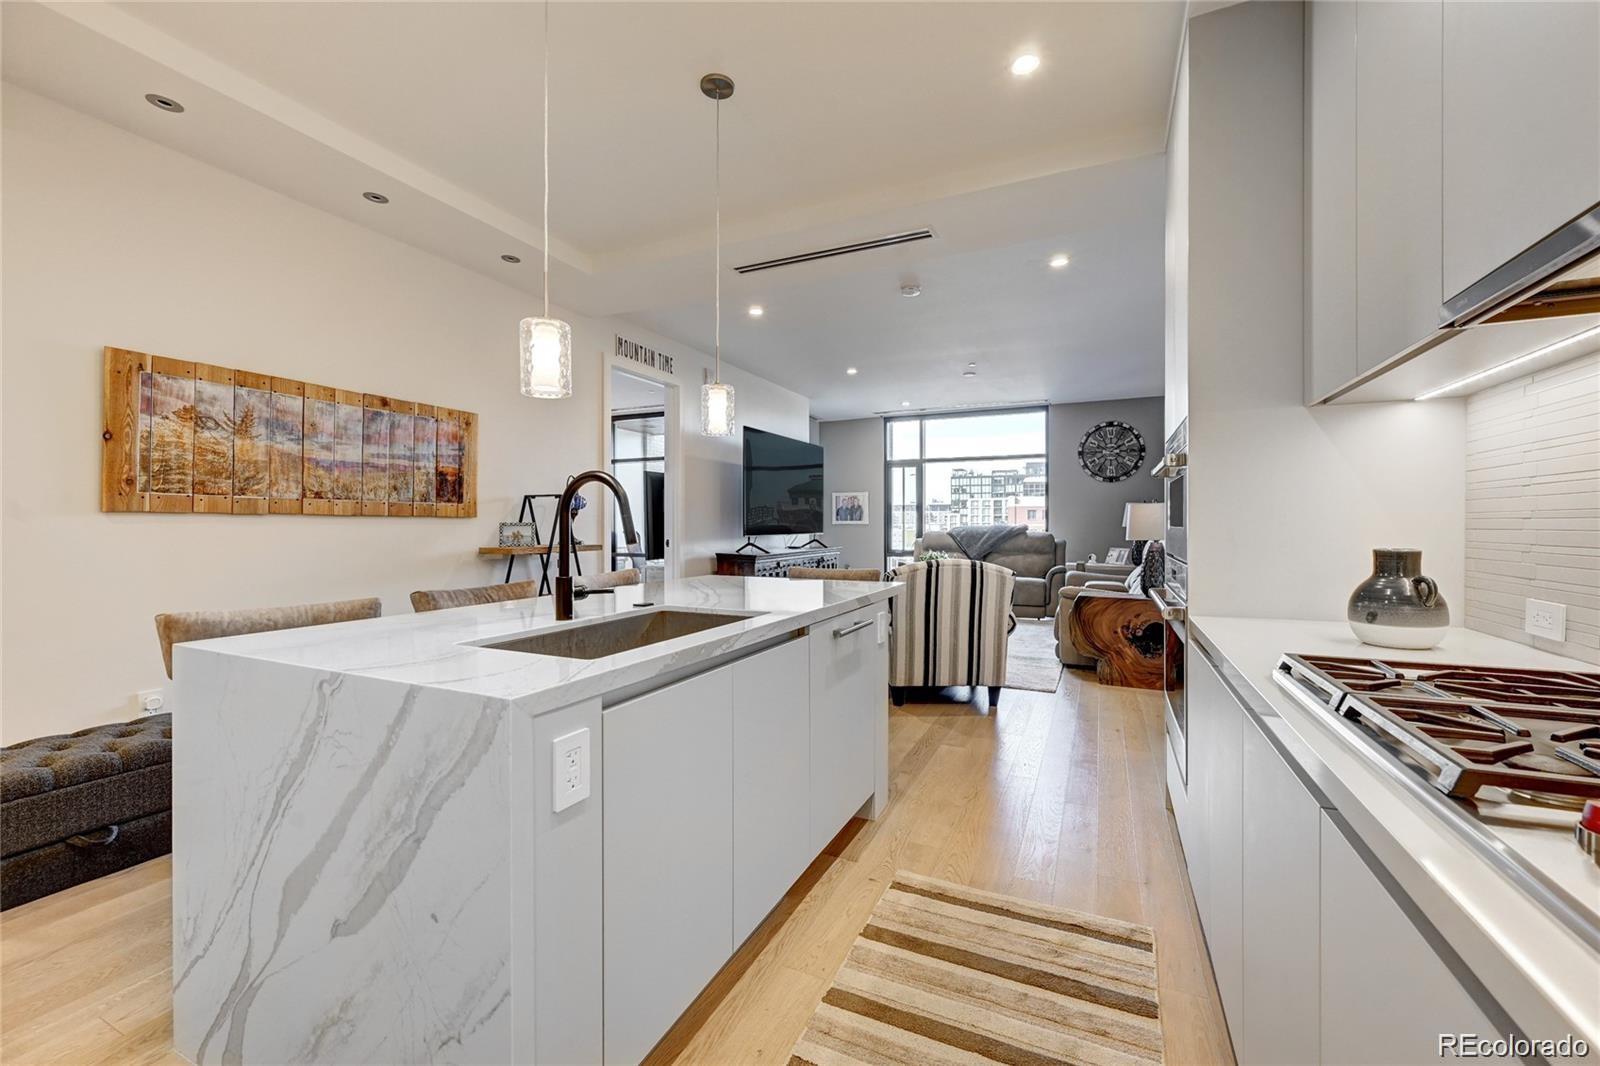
1111,451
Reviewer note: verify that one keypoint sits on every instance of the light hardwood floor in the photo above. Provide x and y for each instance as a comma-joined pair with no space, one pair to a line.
1056,797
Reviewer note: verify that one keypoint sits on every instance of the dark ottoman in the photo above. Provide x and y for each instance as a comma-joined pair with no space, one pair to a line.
80,806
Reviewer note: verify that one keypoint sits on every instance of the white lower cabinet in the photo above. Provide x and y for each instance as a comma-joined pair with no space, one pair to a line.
1385,994
849,686
771,781
1314,959
668,853
1216,772
1282,821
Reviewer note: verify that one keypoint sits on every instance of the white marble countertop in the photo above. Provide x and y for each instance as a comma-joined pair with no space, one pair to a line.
1536,967
438,649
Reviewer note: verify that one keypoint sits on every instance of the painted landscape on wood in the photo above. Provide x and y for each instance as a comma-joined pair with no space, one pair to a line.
192,437
171,434
402,453
427,445
144,431
321,435
347,452
375,456
250,418
213,438
284,437
447,482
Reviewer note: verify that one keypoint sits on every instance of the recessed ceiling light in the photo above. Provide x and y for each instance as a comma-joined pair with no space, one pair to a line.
756,310
1024,64
905,403
165,103
969,373
1059,260
972,366
910,291
375,197
508,257
851,371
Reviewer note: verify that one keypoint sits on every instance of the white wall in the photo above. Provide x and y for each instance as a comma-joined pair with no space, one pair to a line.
1533,504
1286,502
111,239
1087,513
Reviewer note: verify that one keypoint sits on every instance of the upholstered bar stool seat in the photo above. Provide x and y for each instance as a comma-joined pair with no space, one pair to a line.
813,573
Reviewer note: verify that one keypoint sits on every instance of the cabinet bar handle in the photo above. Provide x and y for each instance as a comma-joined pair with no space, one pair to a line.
856,627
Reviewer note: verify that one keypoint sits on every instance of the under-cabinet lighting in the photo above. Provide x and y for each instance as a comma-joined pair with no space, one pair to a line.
1576,338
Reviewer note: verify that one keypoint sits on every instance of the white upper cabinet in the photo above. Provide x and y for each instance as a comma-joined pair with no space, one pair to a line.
1441,140
1330,147
1521,128
1398,195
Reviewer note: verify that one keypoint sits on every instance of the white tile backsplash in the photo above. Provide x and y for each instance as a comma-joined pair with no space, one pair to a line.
1533,504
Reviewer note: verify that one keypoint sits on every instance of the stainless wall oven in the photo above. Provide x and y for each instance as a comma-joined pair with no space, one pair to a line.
1173,598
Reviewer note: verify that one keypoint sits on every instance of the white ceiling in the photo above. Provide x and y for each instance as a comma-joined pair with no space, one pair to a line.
849,120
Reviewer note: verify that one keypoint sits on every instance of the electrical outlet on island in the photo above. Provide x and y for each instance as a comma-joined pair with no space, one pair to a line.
569,769
1542,618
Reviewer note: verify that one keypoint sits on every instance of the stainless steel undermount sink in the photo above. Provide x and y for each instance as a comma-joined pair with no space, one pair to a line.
620,633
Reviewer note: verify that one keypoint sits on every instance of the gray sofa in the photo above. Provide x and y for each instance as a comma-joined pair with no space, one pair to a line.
1038,560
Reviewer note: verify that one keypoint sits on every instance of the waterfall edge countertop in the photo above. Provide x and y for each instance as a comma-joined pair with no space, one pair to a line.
1538,969
444,649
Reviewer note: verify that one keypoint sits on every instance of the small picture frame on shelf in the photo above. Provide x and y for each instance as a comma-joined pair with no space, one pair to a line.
850,508
1118,556
518,535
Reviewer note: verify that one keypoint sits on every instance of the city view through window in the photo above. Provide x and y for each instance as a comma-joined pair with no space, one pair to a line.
980,469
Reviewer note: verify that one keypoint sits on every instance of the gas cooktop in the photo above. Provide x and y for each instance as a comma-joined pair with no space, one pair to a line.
1506,756
1535,733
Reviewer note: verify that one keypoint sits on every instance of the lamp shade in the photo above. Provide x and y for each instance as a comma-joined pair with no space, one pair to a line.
1144,521
716,409
546,358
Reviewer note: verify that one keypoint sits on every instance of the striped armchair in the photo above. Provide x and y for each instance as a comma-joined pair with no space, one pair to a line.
951,625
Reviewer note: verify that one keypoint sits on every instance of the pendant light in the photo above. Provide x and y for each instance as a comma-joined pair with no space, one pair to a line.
716,399
546,342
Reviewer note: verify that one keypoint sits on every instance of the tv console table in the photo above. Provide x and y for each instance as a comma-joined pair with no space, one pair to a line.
776,563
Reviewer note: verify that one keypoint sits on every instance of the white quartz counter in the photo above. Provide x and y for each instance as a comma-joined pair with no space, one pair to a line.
1536,967
439,649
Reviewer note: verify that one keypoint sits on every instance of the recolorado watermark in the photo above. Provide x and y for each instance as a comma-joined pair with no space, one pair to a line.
1475,1046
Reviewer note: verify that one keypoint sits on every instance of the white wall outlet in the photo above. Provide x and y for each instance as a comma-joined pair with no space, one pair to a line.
569,769
150,700
1542,618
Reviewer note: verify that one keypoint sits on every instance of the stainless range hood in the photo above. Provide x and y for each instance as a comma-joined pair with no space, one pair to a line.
1536,310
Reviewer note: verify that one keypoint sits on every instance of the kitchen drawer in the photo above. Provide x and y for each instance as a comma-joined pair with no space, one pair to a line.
849,716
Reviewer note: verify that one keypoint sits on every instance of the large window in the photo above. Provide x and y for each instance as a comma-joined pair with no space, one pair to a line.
942,471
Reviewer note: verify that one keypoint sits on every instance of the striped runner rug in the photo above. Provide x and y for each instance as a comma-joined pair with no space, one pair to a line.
944,974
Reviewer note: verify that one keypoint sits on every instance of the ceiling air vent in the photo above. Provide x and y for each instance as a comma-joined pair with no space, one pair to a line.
888,241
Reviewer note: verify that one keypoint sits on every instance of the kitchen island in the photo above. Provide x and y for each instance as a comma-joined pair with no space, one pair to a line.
481,835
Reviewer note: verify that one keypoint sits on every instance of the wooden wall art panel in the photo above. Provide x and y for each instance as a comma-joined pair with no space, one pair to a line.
186,437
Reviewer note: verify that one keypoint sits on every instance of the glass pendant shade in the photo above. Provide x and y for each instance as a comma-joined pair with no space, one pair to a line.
546,358
716,409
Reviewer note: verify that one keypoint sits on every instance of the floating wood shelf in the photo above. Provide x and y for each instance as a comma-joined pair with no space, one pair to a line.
534,549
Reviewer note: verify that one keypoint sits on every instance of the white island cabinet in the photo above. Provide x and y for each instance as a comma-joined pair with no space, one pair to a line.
485,836
668,831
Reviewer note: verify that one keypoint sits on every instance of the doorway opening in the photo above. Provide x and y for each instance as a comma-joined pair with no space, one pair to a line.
640,448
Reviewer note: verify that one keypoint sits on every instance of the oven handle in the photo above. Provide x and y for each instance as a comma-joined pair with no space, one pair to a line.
1169,612
1171,465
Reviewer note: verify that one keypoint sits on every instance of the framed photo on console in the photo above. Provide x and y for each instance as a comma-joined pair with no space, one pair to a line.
850,508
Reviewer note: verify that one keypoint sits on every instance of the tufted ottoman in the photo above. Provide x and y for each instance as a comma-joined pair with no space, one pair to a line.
83,805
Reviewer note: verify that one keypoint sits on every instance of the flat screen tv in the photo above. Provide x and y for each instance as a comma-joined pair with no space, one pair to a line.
782,484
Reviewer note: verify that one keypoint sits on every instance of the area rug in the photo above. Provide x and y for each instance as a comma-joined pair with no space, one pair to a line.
1031,660
947,974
